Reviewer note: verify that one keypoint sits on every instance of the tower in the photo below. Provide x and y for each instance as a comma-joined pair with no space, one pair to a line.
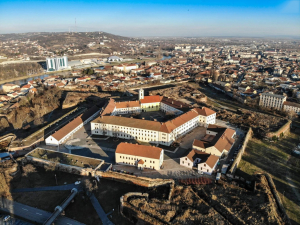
141,94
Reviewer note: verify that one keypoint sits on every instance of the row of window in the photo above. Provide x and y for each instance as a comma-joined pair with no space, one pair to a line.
131,158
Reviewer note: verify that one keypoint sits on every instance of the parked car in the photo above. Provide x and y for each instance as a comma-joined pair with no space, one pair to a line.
77,182
200,172
7,218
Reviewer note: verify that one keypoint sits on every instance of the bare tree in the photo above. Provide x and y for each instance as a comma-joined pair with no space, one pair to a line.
88,185
29,168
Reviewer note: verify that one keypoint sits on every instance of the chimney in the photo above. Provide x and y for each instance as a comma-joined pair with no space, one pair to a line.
172,102
181,106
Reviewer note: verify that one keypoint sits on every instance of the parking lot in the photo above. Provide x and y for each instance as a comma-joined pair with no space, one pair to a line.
187,141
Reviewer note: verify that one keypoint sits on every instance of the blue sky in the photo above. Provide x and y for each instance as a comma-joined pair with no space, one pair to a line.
154,18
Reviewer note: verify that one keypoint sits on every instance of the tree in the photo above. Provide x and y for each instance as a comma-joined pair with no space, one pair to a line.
291,115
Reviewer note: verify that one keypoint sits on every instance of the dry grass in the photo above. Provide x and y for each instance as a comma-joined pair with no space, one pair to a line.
274,158
67,159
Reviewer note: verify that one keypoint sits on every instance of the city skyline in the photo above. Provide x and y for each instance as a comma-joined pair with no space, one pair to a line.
155,18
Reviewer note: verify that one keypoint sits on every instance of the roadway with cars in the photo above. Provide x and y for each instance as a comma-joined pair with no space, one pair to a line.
32,214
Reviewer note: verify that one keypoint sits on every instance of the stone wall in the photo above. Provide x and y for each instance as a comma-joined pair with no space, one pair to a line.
281,208
283,130
61,167
132,179
238,158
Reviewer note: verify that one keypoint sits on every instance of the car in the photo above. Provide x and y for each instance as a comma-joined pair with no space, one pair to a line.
77,182
200,172
7,218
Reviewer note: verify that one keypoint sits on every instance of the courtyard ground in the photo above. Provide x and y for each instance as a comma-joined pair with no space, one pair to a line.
275,158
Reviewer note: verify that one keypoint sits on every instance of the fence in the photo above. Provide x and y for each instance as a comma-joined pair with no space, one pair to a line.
241,151
199,180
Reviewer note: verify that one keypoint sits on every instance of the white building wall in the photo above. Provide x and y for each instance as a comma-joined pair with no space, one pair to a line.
51,141
184,161
205,168
132,160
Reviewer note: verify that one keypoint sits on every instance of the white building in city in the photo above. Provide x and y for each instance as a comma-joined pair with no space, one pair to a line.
64,133
204,162
217,141
270,100
166,133
140,156
57,63
291,107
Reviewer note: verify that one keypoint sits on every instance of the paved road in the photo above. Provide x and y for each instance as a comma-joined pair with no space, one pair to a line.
33,214
50,188
100,211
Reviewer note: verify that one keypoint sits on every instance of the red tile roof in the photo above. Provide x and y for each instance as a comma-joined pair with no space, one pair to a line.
139,150
151,99
61,133
209,159
127,104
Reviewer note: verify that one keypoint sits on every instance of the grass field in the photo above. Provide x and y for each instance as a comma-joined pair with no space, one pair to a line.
275,159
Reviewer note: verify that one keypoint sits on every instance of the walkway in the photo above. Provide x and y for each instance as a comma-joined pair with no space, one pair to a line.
50,188
32,214
100,211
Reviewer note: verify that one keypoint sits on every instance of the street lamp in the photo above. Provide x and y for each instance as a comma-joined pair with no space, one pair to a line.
55,179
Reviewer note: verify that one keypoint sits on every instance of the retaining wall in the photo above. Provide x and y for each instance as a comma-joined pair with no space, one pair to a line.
132,179
238,158
283,130
277,199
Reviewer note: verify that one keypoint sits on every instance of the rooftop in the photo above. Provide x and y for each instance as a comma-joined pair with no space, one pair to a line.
139,150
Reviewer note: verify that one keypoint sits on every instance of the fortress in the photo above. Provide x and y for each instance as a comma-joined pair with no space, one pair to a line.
111,123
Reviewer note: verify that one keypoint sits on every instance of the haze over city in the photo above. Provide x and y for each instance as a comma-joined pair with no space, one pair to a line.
154,18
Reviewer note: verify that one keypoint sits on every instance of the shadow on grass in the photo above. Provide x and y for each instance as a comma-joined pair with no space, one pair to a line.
273,158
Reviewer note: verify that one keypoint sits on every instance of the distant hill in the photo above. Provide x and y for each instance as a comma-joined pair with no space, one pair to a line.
62,40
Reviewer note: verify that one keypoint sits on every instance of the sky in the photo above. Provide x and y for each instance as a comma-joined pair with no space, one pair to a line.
249,18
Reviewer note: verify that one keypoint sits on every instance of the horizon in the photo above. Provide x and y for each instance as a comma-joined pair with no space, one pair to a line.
154,19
